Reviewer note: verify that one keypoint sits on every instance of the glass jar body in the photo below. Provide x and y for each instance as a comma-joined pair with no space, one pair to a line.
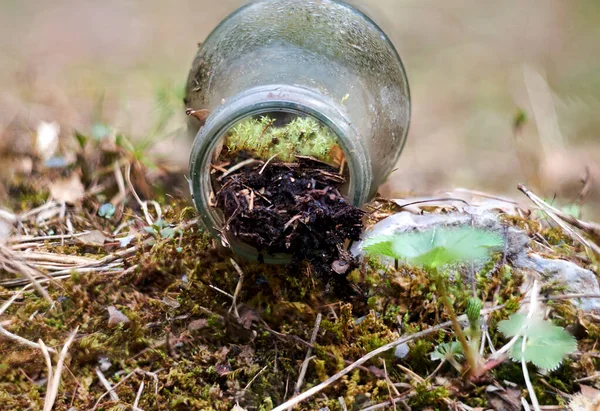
319,58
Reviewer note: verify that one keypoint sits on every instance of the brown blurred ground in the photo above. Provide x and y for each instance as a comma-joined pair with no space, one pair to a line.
471,66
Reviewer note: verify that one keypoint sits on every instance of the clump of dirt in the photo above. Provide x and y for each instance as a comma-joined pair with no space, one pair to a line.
293,208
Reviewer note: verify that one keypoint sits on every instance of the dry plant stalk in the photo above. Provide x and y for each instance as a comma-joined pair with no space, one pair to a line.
565,222
55,374
11,263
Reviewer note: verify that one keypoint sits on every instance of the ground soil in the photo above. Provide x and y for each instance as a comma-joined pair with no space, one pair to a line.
293,208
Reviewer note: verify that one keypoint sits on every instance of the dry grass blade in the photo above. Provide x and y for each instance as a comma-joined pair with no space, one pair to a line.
54,376
592,229
11,300
128,376
551,212
238,288
313,339
106,384
15,337
12,264
138,397
22,340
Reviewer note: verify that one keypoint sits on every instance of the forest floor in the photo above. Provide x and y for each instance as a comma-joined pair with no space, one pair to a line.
115,298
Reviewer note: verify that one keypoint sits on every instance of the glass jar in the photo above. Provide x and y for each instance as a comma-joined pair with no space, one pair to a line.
323,59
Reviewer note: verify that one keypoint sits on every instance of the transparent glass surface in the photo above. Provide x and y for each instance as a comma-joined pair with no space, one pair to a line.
320,58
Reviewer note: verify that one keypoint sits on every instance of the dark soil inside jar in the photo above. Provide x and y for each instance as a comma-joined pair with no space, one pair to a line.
294,208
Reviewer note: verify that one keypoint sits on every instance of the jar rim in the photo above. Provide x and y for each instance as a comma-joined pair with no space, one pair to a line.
261,100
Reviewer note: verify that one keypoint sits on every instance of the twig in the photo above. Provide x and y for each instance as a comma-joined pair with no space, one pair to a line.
54,378
342,404
138,396
418,379
27,238
239,165
308,355
113,388
37,210
588,378
267,163
532,396
551,212
11,300
15,337
389,383
143,204
307,394
106,384
22,340
238,288
254,378
439,367
122,196
387,403
15,266
220,291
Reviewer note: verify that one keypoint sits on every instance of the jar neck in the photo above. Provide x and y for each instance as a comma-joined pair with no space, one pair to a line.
270,99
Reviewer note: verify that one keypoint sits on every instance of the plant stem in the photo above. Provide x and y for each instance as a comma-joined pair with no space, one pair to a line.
470,356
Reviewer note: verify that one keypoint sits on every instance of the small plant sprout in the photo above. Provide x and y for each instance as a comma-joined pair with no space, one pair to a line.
535,340
437,250
451,352
444,247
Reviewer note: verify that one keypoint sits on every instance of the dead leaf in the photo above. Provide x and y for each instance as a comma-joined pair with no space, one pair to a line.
68,190
171,302
95,237
198,324
587,400
223,369
116,317
503,399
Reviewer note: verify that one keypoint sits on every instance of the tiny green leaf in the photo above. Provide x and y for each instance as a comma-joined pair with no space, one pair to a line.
149,230
167,232
546,345
81,139
438,246
100,130
473,311
379,246
446,351
513,325
106,210
159,224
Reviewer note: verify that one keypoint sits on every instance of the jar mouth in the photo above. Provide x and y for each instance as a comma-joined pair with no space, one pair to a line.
261,101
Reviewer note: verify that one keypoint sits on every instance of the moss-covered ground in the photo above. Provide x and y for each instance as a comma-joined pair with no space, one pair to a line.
193,350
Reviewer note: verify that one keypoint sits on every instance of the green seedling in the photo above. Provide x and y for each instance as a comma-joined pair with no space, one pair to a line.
546,344
450,352
302,136
438,250
160,229
106,210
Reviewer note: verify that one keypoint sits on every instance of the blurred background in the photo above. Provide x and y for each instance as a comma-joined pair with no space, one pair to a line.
502,91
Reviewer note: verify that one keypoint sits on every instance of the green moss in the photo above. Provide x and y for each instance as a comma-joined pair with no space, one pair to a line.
426,396
302,136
